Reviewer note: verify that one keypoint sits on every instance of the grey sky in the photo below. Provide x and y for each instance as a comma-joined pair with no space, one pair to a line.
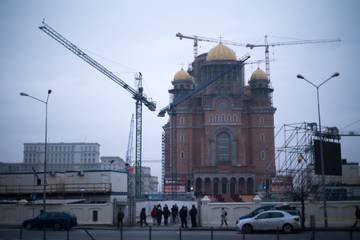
140,36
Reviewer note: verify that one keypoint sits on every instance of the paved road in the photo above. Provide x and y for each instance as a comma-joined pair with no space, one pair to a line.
143,234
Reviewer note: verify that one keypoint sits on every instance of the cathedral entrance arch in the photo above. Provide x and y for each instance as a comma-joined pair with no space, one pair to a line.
224,183
216,186
250,185
198,184
207,188
242,189
232,186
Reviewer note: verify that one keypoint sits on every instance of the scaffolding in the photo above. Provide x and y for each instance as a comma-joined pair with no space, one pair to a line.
293,160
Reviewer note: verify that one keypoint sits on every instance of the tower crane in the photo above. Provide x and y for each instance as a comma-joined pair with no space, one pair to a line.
129,149
266,45
138,95
205,39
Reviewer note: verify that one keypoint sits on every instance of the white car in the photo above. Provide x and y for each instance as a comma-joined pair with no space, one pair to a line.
269,220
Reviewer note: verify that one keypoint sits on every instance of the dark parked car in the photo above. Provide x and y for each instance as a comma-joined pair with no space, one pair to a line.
56,220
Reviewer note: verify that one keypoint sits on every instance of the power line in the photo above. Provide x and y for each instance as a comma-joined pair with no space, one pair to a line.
350,124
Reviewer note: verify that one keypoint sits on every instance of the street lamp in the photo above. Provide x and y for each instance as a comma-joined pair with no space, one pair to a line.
321,142
45,157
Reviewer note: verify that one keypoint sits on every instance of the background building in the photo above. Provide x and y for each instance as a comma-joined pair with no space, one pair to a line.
91,186
62,153
70,163
220,141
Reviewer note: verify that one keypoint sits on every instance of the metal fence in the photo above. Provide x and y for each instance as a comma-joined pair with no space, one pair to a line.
174,233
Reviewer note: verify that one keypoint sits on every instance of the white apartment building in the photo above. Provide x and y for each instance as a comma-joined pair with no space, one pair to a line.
70,157
62,153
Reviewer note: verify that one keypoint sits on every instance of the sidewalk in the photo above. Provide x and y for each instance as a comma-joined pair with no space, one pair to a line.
156,228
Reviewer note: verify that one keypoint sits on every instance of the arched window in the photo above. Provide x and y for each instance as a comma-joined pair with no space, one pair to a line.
223,147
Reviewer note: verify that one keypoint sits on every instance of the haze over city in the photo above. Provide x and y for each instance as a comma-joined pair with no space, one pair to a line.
139,36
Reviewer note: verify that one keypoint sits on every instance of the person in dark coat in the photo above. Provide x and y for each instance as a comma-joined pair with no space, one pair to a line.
143,217
174,213
166,213
183,216
154,215
193,212
357,216
159,215
120,218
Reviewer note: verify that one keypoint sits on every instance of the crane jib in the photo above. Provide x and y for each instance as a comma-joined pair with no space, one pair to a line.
77,51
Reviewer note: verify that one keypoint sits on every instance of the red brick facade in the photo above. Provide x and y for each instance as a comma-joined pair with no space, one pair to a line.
220,141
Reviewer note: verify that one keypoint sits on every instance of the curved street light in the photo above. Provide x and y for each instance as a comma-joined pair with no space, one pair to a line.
45,157
321,141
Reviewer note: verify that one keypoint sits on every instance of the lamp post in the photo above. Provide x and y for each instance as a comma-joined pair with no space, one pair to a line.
321,142
45,157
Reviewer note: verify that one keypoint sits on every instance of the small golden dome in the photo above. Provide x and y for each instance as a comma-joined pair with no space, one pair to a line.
259,74
182,75
221,52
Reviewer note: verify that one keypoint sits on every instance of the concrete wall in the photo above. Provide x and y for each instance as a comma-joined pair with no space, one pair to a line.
17,213
340,213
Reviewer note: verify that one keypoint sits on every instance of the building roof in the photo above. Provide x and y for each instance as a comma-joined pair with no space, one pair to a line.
221,53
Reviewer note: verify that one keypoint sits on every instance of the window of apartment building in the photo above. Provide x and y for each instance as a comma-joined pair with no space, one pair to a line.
181,138
182,155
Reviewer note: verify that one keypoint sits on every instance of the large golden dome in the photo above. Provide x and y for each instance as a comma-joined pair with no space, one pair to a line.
182,75
221,52
259,74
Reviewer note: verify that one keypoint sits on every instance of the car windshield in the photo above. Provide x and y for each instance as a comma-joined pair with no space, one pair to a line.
43,215
261,209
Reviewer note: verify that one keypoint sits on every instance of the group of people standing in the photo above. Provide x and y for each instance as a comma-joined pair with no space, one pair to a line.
159,213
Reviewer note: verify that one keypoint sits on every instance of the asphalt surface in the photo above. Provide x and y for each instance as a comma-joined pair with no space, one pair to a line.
168,233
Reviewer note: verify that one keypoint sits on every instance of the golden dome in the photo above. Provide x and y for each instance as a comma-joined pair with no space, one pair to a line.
259,74
221,52
182,75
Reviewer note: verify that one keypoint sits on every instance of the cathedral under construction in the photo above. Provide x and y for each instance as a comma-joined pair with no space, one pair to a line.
219,140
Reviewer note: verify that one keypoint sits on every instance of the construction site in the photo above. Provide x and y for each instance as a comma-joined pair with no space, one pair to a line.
240,159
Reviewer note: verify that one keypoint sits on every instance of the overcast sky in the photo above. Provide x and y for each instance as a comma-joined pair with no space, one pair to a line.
130,36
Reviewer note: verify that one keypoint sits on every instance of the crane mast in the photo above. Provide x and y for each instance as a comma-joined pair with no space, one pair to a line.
138,95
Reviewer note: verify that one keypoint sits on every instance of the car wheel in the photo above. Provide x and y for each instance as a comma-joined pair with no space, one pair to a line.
57,226
287,228
247,228
28,226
